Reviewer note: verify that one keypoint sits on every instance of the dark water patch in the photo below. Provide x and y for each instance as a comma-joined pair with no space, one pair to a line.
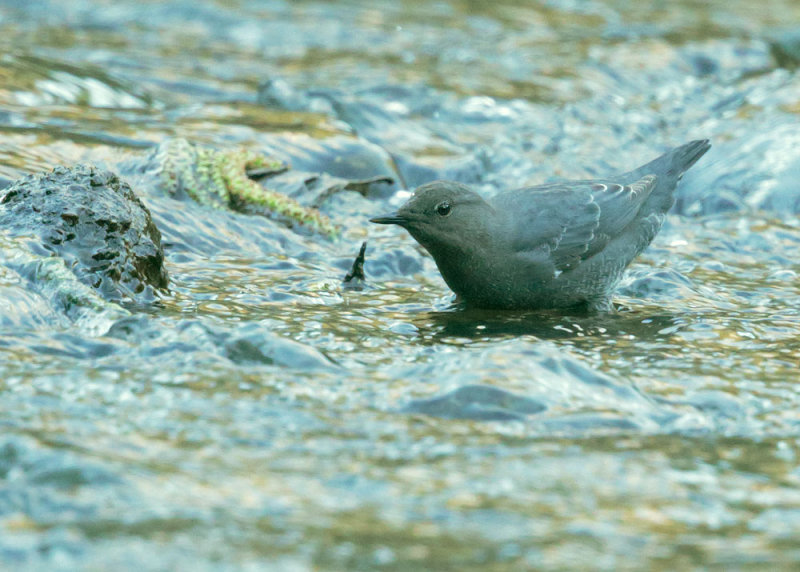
597,424
146,528
785,48
472,325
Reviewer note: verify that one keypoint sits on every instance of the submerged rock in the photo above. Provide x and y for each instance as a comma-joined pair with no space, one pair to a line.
478,402
345,159
193,344
95,223
559,392
253,344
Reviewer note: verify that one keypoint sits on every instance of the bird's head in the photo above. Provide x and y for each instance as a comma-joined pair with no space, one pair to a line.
442,215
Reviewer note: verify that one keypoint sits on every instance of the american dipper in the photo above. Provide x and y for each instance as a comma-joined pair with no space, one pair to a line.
560,245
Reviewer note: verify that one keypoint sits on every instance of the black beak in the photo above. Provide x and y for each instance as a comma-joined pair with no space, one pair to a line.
393,218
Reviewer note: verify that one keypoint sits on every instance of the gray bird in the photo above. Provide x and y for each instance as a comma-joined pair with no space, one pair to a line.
560,245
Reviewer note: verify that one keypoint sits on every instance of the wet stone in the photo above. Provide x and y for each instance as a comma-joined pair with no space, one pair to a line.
95,222
344,157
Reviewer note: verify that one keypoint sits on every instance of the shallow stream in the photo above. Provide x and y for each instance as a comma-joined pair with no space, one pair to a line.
262,416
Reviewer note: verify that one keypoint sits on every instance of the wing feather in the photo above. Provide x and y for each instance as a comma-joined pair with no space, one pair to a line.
562,224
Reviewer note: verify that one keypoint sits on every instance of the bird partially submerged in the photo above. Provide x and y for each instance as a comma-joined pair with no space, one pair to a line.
560,245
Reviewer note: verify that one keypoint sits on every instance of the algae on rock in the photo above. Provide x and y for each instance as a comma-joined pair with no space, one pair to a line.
222,179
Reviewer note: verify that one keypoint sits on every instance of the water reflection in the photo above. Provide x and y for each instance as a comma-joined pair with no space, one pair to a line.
486,325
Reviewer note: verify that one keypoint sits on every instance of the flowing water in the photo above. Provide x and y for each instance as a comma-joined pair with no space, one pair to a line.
264,416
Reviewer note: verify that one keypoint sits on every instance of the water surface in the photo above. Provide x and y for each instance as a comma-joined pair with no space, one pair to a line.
263,416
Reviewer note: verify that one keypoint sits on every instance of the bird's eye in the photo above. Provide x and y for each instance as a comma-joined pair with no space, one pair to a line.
443,208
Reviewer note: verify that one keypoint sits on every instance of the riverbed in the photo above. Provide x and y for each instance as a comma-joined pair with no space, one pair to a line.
262,415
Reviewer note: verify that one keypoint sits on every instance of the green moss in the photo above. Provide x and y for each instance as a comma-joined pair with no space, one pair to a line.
219,179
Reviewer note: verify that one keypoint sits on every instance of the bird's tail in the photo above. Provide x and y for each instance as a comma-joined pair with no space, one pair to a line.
668,169
673,164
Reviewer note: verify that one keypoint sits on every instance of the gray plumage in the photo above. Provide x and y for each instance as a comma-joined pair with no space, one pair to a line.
559,245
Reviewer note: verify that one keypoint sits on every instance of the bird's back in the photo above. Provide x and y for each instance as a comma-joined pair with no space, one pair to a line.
585,233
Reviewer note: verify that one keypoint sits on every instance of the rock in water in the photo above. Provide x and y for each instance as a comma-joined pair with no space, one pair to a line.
95,222
478,402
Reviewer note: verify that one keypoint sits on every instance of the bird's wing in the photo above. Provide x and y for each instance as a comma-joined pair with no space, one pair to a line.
566,223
